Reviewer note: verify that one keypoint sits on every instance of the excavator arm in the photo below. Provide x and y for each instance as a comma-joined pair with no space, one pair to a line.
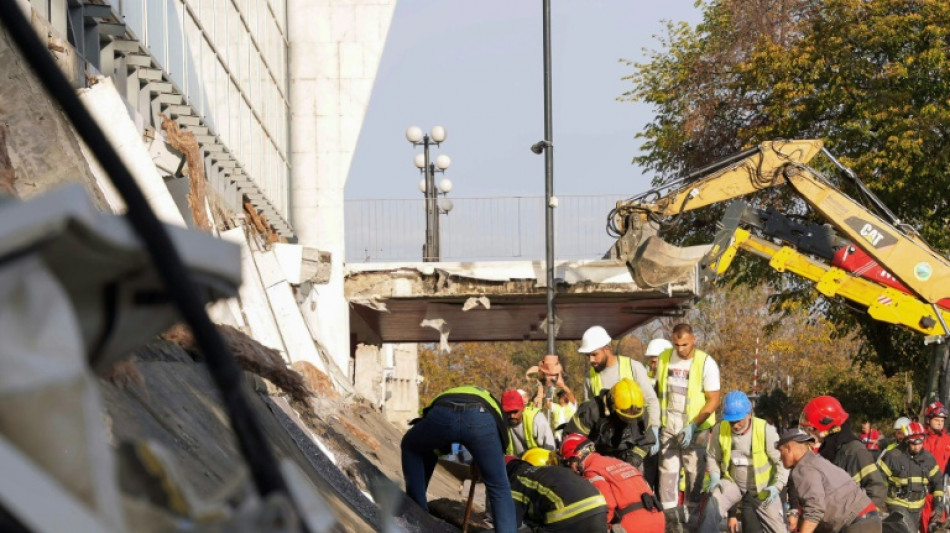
654,262
883,303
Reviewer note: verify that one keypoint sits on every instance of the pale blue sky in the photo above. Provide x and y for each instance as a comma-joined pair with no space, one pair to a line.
475,67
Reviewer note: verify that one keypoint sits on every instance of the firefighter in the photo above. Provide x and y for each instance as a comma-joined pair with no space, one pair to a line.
744,466
824,418
614,423
937,443
540,457
470,416
911,473
551,498
631,505
528,427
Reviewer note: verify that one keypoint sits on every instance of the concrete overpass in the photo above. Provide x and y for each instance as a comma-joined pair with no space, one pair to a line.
500,301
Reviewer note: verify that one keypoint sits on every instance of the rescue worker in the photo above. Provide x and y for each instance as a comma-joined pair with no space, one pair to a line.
651,465
613,422
631,505
606,369
653,351
744,466
551,498
831,501
540,457
562,408
899,426
870,438
824,418
470,416
526,426
688,389
911,473
937,443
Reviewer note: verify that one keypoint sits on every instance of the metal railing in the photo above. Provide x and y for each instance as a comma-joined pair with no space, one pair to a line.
503,228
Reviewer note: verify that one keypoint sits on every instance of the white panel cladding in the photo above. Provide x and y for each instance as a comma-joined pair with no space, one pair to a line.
335,48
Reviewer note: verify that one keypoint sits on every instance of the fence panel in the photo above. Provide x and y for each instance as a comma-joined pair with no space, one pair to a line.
501,228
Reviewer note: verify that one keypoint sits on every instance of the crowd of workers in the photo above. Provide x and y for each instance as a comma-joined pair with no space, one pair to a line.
644,453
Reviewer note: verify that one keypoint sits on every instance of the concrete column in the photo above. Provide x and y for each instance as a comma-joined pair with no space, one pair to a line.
335,48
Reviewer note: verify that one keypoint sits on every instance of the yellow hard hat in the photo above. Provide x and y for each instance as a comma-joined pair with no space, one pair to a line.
539,457
626,399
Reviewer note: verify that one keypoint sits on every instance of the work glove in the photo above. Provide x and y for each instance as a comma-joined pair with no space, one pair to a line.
939,508
769,495
655,449
685,435
714,480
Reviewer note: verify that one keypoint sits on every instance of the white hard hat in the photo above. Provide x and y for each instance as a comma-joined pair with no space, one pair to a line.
658,346
594,338
901,422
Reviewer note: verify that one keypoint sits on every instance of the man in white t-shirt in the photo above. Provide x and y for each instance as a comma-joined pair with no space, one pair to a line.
688,391
606,369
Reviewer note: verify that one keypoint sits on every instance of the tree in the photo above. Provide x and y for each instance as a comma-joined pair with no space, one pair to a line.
869,77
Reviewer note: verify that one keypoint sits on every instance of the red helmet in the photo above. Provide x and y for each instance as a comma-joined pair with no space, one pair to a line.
510,458
915,431
823,414
575,446
937,410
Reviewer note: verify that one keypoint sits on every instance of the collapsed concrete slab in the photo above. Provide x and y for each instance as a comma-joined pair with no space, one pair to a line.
498,301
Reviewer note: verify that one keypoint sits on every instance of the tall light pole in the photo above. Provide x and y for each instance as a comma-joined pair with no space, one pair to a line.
434,207
546,145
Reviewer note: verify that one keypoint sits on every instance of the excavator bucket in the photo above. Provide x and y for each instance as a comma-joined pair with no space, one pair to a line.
652,261
657,262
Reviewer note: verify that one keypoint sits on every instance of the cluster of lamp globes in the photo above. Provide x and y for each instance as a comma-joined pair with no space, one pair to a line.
437,135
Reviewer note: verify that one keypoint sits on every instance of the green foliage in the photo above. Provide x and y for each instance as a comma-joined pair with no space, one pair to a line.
869,77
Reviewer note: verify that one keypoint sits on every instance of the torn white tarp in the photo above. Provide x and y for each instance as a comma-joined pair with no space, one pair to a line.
475,301
440,325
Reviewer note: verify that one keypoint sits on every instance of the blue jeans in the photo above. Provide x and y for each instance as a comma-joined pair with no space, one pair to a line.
473,426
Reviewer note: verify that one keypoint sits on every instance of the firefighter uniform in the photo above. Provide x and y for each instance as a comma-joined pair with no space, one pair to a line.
553,498
910,478
938,444
632,507
847,453
611,435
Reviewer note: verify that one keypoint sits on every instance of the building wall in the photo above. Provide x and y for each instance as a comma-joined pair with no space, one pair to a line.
387,376
274,90
229,59
335,48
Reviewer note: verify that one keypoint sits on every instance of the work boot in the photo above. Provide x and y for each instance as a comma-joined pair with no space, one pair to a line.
675,520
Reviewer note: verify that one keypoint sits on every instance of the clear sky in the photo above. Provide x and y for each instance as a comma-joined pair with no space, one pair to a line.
475,67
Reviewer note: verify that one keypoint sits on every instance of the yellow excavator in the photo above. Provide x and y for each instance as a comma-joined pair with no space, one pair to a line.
873,260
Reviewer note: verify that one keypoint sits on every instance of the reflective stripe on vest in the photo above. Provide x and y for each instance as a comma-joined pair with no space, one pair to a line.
625,371
470,389
527,423
695,398
761,465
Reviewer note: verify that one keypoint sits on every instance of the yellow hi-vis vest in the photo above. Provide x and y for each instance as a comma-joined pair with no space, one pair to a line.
527,423
695,398
761,465
624,372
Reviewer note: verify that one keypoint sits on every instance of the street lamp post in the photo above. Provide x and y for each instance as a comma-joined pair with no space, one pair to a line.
433,205
546,146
